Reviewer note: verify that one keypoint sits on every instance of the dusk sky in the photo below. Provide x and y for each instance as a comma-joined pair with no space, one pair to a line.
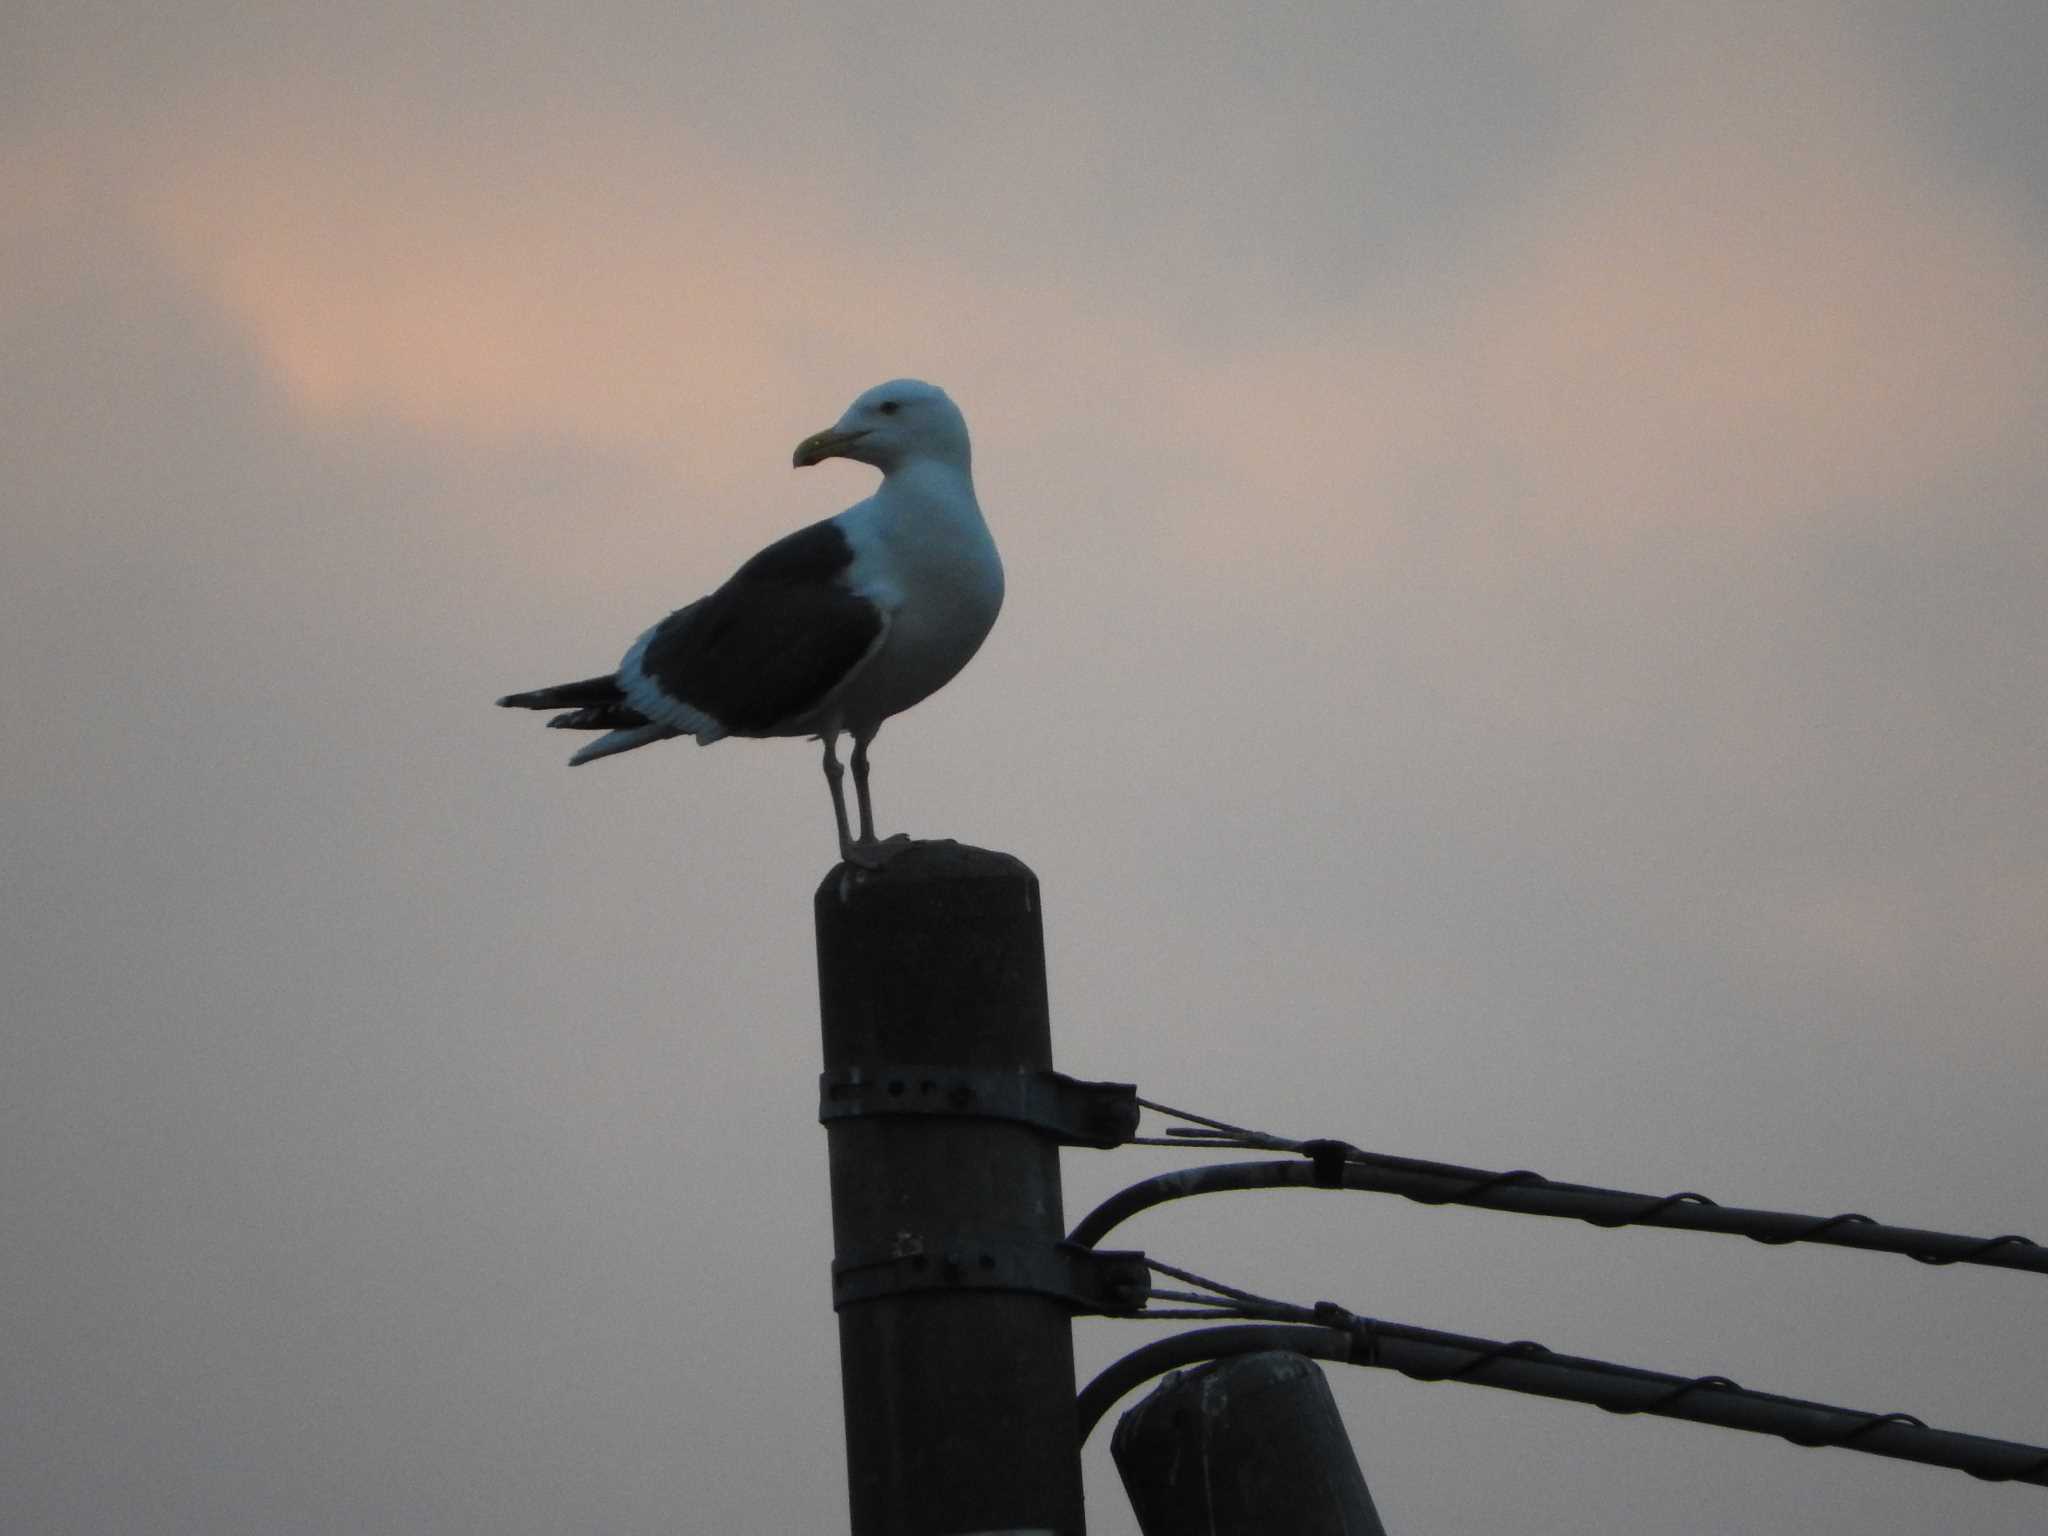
1526,644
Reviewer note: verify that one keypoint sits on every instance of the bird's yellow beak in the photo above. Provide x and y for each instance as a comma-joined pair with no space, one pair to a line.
829,444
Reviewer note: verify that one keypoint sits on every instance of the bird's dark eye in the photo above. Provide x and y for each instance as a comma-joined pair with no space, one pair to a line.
887,407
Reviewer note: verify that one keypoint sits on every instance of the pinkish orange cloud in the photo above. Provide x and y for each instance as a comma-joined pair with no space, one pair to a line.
1742,294
600,285
576,289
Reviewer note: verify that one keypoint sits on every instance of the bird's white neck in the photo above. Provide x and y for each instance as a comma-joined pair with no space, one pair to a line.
928,488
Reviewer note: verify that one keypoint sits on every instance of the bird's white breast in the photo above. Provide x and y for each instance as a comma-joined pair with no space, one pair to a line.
923,554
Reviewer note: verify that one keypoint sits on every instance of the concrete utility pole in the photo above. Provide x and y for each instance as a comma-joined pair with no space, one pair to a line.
954,1287
1243,1447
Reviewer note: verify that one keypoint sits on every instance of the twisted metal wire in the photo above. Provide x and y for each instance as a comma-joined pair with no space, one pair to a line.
1339,1164
1329,1332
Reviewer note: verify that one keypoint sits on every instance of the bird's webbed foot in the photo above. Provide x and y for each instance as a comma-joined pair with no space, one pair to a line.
872,853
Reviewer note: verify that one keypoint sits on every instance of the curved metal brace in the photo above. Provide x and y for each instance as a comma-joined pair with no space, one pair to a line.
1192,1348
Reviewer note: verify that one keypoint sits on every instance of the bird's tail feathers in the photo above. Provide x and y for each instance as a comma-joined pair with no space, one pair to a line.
616,716
591,691
622,741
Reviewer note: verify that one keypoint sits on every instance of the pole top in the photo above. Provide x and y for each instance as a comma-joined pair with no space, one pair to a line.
937,861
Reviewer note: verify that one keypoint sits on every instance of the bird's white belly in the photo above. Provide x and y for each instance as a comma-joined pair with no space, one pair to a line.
942,595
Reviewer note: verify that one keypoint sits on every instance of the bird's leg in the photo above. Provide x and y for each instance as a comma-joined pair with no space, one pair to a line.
860,788
870,853
833,774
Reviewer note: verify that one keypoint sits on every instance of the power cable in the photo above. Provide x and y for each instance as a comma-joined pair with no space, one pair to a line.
1327,1331
1338,1164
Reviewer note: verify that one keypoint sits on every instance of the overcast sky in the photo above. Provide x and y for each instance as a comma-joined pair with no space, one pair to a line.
1527,533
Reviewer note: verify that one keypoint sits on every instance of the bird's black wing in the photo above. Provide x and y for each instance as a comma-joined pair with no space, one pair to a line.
768,646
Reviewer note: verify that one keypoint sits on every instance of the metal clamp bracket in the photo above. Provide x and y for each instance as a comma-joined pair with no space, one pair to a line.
1088,1280
1074,1113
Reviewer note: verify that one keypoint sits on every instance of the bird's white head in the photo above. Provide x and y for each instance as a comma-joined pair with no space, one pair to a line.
890,425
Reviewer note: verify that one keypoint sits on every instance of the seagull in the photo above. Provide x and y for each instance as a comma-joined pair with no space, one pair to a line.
830,630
